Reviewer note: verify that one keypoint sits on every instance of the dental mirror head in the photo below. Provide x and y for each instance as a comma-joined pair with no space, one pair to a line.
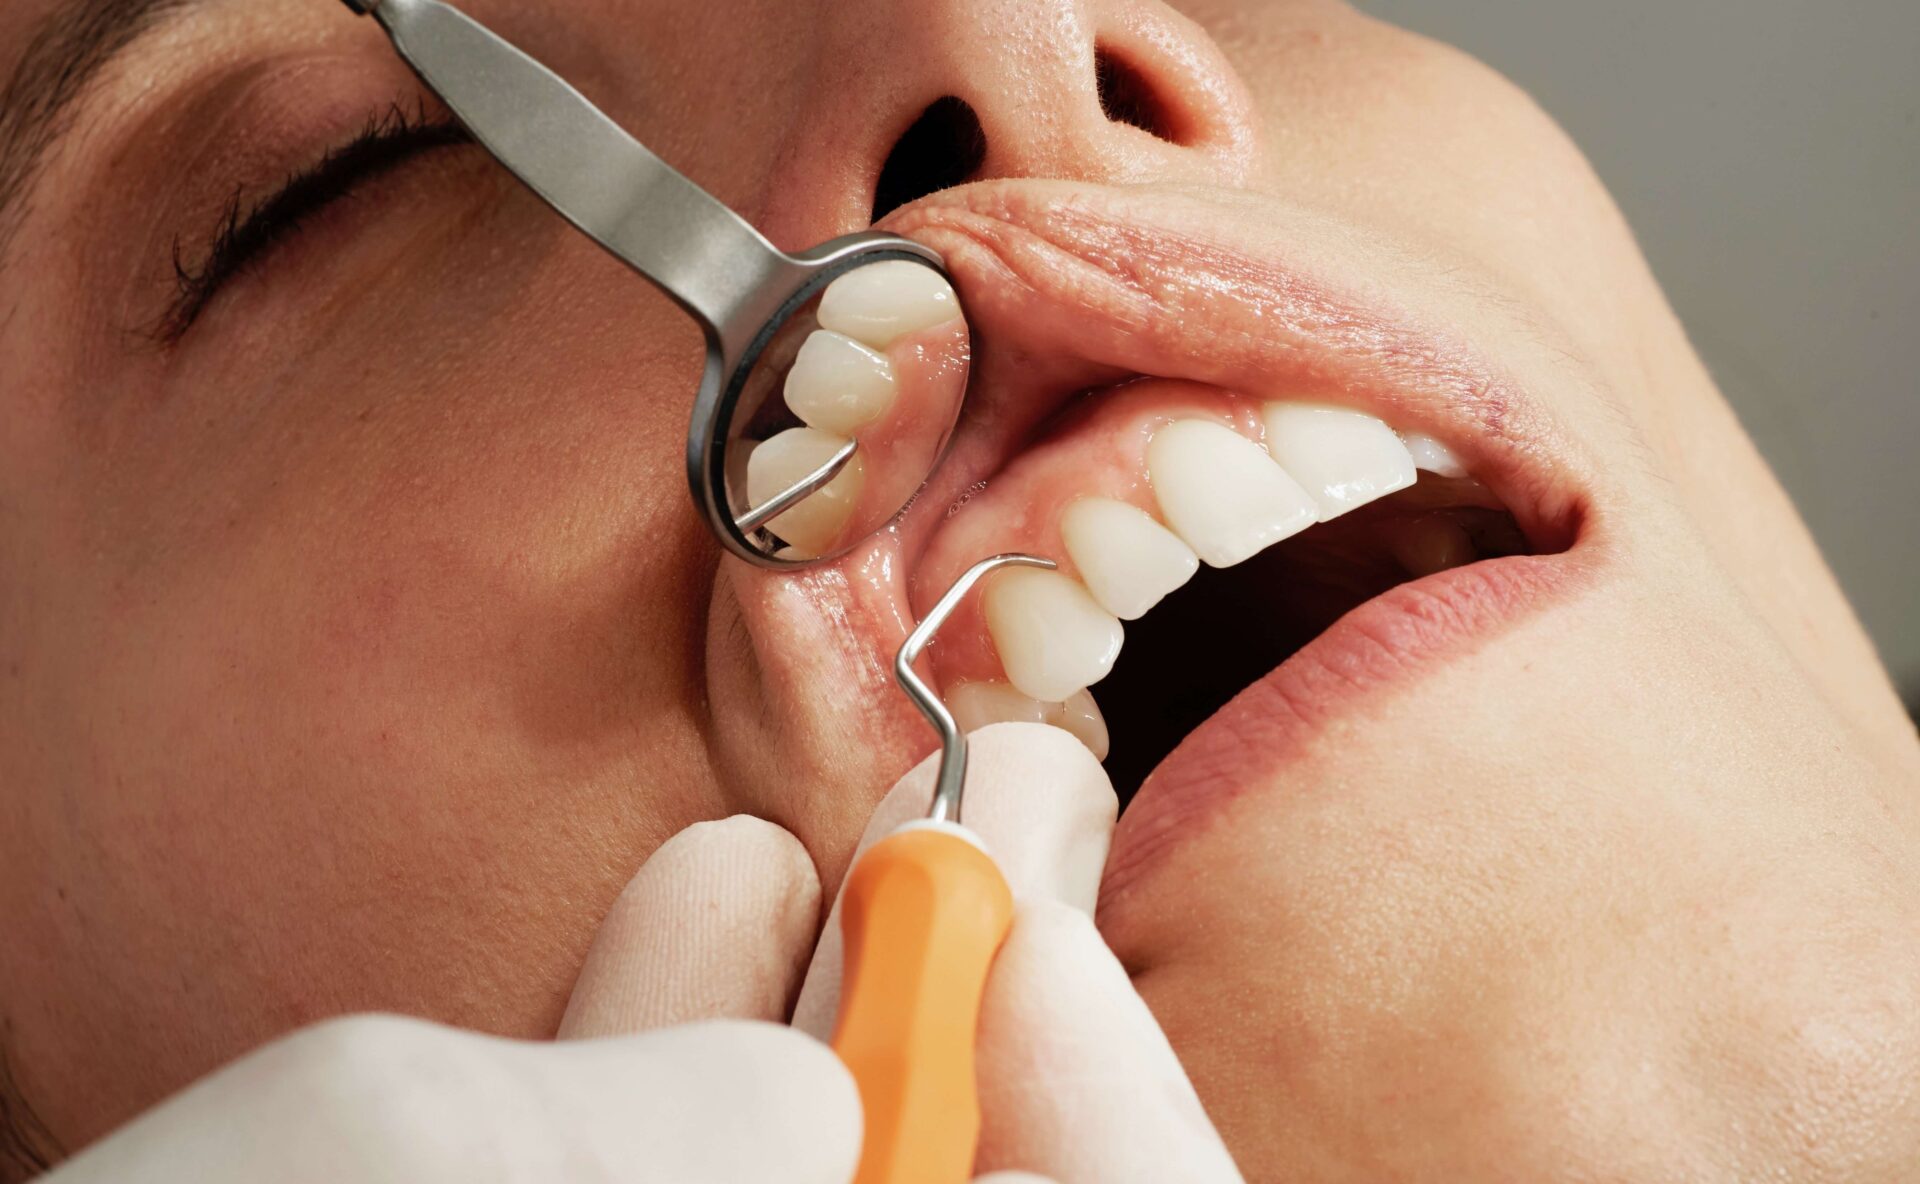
833,377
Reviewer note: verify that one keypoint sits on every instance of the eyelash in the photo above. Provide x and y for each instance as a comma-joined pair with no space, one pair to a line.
244,235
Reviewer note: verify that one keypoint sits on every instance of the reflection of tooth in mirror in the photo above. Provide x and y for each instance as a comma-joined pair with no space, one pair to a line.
893,386
815,525
884,301
839,385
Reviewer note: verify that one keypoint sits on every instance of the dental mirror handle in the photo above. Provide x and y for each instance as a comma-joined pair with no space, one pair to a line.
598,177
924,912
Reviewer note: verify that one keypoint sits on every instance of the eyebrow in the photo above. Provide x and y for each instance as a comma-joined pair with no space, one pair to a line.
68,50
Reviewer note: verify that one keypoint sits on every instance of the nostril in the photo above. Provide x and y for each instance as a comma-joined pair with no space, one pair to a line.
943,148
1127,97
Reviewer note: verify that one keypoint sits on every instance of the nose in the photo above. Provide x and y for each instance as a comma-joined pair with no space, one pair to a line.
927,95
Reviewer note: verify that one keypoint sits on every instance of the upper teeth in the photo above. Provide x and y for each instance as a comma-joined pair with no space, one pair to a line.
1222,498
1344,458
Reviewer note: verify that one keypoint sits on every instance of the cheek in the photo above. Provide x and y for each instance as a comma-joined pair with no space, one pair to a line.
1397,133
385,687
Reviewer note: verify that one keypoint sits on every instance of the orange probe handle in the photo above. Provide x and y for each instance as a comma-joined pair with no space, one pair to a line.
924,912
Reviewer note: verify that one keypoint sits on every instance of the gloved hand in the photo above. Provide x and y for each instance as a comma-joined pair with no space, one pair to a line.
1077,1081
672,1063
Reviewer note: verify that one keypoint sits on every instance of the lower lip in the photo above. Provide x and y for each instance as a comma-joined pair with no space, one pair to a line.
1390,641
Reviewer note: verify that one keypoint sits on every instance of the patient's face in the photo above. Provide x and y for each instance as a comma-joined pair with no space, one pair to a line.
358,638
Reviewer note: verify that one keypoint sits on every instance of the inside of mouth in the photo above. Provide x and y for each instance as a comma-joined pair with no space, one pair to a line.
1227,628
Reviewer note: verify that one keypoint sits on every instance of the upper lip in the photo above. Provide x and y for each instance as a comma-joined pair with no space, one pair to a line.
1069,287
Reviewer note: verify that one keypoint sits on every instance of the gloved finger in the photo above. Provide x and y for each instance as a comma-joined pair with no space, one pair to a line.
1076,1078
384,1098
718,923
719,1102
1041,803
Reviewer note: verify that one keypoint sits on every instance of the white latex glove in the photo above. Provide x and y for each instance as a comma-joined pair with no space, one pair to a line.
1077,1082
718,923
671,1064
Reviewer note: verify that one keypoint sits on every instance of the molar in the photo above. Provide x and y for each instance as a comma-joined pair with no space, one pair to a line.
1221,493
1053,638
1126,559
1344,458
838,385
783,461
1432,456
883,301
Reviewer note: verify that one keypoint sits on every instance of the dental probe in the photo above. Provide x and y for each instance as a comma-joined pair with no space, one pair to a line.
923,914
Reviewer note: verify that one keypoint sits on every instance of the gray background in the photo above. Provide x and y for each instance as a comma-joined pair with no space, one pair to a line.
1767,152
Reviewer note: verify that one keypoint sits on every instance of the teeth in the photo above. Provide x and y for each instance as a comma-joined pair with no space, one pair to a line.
839,385
1345,458
1433,456
1222,493
882,301
1126,559
783,461
1082,717
977,704
1053,638
1423,546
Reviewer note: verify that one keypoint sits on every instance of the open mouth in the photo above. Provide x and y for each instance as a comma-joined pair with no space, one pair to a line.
1204,539
1277,478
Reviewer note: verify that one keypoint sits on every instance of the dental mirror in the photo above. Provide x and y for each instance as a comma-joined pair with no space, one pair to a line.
833,376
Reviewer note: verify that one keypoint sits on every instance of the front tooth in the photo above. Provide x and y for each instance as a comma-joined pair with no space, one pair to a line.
1433,456
783,461
977,704
1222,493
838,385
1053,638
1126,559
882,301
1081,716
1345,458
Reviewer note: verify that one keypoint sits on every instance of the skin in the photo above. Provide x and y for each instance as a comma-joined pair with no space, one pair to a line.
355,649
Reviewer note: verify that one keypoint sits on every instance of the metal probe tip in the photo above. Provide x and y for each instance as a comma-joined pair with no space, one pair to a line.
953,742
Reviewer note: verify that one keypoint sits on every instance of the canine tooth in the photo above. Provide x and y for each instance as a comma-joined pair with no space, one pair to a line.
1081,716
1221,493
977,704
838,385
782,461
1433,456
1053,638
1126,559
881,301
1344,458
1424,546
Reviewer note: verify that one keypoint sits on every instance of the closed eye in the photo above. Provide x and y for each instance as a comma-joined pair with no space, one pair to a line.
246,234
